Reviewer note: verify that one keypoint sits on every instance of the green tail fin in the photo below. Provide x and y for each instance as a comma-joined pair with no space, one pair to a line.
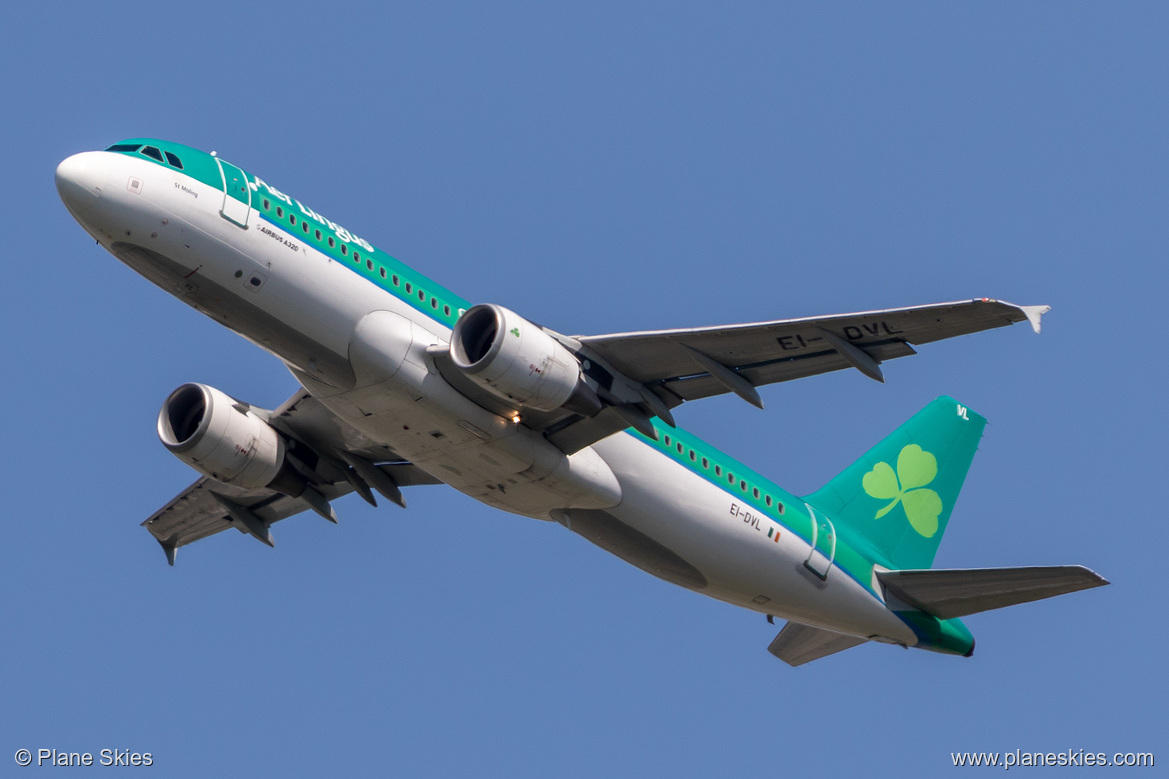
897,498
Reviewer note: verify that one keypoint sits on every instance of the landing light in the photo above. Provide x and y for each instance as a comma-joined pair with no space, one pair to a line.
515,418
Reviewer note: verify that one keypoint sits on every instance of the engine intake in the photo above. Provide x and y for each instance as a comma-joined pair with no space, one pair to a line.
224,439
518,362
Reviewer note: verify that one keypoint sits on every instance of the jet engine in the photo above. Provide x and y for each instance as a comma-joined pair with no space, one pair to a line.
224,439
519,362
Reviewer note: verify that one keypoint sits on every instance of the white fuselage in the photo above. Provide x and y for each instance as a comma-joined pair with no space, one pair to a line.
362,352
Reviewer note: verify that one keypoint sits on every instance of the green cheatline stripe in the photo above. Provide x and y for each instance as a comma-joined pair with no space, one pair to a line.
857,565
434,307
437,300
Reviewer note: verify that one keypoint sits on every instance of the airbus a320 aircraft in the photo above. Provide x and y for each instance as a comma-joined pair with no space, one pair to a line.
406,383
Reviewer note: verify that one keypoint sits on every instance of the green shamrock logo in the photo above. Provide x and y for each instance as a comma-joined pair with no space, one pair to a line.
915,469
515,331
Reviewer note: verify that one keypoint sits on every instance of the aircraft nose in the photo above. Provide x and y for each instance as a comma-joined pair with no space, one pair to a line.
81,179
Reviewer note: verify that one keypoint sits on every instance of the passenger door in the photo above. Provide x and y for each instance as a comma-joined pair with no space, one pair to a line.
237,196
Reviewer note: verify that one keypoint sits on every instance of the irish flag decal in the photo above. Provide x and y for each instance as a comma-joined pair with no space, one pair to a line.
773,534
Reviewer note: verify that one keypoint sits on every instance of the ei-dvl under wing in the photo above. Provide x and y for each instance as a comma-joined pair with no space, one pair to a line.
322,459
645,374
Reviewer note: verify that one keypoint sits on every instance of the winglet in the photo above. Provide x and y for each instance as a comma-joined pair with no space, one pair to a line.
170,550
1033,314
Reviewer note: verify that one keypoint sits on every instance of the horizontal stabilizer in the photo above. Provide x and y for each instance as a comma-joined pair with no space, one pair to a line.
957,592
797,644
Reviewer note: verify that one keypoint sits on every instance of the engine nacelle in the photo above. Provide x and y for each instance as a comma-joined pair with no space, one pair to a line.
517,361
220,438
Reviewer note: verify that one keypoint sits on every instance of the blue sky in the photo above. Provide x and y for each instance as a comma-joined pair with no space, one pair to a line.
617,167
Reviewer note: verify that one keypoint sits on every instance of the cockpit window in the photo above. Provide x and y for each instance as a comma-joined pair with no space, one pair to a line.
153,153
124,147
173,160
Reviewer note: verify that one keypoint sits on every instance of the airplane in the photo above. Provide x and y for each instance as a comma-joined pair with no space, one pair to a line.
405,383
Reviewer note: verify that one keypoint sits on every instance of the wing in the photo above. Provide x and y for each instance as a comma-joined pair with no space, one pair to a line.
700,362
637,376
333,458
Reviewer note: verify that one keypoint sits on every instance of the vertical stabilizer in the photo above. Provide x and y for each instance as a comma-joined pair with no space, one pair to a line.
897,498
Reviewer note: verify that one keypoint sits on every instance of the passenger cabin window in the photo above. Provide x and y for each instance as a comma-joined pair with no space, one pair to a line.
153,153
173,160
125,147
279,212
